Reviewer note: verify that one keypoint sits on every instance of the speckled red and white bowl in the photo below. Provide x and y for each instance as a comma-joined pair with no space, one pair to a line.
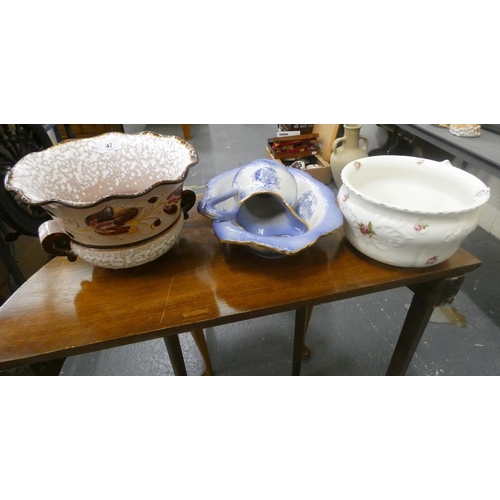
116,200
407,211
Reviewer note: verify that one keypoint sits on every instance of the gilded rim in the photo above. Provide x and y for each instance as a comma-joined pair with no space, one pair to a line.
9,178
482,197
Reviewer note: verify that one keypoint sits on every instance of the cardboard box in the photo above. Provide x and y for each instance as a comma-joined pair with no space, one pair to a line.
323,173
326,135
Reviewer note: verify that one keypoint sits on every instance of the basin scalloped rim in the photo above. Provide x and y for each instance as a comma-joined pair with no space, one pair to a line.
15,176
481,198
229,232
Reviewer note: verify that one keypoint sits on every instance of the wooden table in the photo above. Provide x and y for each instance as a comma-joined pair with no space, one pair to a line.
69,308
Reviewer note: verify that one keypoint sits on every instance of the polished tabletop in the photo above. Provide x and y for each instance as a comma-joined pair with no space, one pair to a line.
68,308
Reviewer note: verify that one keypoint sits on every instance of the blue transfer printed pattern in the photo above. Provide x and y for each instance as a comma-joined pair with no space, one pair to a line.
306,205
268,177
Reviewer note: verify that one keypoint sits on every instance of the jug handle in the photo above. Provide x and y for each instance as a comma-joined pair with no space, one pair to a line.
340,140
54,241
216,214
336,144
365,145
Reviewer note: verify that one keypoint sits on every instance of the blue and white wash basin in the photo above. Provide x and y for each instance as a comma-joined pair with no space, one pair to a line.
314,209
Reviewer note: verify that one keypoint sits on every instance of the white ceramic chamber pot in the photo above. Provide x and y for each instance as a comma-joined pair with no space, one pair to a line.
116,200
408,211
265,193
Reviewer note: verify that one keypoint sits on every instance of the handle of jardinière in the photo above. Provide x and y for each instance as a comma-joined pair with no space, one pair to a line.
188,199
55,241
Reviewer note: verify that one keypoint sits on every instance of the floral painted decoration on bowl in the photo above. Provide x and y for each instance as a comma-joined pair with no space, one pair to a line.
407,211
109,192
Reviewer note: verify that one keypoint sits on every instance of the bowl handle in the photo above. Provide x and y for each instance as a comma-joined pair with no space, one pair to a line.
221,215
188,199
54,241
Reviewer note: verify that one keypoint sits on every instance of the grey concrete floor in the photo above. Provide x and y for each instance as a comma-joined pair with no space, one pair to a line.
351,337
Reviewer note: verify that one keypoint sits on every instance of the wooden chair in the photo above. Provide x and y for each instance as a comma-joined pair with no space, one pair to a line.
186,131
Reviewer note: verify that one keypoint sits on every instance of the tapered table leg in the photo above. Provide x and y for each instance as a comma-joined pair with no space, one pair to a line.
298,342
175,354
306,352
201,343
413,328
426,297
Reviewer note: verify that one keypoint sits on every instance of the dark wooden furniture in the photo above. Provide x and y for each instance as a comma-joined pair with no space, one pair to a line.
71,308
186,132
84,131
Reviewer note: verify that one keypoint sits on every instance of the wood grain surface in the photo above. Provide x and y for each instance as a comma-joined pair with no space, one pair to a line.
68,308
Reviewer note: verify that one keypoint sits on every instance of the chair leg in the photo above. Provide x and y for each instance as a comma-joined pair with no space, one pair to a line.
186,131
199,337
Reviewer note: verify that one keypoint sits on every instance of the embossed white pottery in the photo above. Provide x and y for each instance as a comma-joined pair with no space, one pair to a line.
314,205
408,211
117,200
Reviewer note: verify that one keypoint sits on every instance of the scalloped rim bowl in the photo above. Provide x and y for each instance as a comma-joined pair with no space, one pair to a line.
316,205
71,173
407,211
116,200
